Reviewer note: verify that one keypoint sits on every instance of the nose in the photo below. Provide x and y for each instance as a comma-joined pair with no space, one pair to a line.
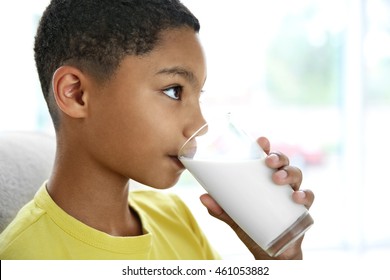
195,124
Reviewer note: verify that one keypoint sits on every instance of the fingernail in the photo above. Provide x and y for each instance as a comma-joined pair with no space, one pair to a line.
282,174
301,194
274,158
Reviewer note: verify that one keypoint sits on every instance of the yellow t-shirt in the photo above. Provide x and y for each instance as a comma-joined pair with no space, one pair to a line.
42,230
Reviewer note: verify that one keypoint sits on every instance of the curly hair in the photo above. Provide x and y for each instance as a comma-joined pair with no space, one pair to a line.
95,35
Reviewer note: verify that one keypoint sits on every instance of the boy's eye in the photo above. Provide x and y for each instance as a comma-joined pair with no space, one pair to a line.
173,92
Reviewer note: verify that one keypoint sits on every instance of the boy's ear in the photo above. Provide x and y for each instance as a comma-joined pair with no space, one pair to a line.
68,84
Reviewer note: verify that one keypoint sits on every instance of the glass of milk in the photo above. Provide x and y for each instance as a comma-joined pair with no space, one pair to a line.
231,167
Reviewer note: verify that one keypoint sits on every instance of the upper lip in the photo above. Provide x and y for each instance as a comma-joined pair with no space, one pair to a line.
188,149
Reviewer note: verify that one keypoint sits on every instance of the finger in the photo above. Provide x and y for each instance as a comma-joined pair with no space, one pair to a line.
288,175
305,197
264,144
215,210
293,252
211,205
276,160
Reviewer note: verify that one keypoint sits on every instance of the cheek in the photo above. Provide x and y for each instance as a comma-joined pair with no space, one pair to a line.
134,139
117,133
126,139
147,157
125,119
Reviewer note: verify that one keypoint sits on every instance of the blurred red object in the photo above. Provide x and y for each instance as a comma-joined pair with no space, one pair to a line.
299,155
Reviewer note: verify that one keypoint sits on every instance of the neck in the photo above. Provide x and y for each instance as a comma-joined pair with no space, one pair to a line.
93,195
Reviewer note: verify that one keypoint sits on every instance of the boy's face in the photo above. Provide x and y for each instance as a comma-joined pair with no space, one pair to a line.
140,119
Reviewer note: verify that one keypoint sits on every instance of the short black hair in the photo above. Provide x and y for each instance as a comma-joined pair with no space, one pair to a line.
95,35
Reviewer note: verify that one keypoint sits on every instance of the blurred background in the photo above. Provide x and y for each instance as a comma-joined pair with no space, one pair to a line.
311,75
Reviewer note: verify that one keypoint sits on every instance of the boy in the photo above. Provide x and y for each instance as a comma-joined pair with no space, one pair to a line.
122,81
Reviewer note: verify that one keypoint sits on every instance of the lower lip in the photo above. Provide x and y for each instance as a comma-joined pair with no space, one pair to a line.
177,162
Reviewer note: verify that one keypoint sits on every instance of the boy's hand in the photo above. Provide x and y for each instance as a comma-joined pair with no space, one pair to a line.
284,175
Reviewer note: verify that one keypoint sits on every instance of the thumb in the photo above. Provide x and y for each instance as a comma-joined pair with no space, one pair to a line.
264,144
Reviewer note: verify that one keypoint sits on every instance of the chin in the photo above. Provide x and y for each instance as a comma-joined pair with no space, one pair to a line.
162,183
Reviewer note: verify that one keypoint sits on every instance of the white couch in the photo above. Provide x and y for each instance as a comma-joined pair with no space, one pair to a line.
26,160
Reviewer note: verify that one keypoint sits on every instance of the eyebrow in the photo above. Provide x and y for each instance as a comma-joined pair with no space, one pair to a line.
176,70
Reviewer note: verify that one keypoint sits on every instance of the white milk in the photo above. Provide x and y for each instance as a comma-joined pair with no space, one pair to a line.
245,190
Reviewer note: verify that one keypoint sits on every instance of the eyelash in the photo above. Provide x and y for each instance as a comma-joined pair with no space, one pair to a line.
178,92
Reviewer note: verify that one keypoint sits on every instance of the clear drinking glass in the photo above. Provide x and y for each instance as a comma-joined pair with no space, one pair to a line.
231,167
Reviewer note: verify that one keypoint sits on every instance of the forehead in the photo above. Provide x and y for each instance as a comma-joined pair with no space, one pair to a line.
178,52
